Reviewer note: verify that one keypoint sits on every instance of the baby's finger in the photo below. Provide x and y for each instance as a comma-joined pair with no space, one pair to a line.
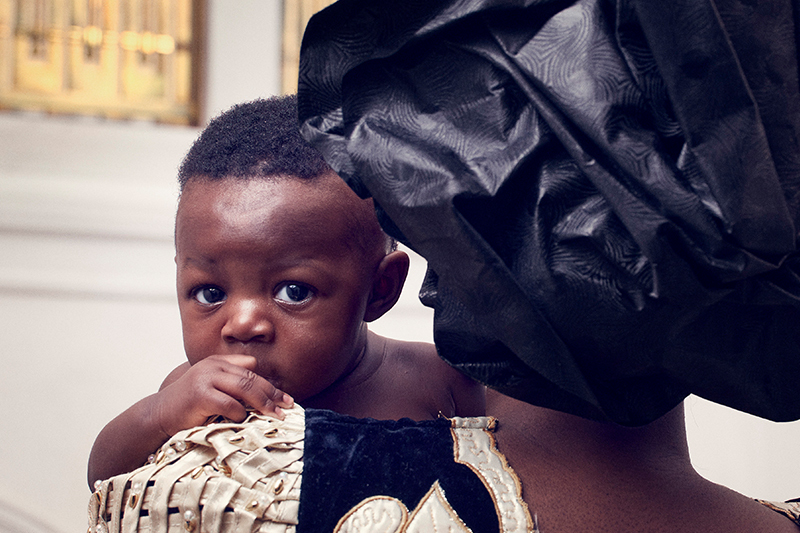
253,390
268,400
227,406
283,399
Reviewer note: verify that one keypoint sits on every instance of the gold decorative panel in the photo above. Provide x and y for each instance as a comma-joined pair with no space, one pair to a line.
115,58
295,17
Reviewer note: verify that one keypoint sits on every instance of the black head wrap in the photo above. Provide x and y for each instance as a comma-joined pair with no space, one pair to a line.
606,192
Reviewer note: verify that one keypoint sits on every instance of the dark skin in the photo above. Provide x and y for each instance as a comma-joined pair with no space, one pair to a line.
277,280
581,475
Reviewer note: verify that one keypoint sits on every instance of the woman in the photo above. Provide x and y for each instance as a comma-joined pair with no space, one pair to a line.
606,194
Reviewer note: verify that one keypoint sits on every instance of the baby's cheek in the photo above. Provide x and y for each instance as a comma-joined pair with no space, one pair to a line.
195,346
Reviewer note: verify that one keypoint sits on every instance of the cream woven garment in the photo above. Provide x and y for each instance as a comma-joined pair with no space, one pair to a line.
223,477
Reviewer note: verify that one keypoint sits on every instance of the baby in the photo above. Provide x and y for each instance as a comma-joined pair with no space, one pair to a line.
280,267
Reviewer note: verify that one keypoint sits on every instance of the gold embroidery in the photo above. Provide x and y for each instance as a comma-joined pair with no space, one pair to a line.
434,513
789,509
474,446
384,514
376,514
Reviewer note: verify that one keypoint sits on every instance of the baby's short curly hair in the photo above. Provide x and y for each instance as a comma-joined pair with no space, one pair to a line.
256,139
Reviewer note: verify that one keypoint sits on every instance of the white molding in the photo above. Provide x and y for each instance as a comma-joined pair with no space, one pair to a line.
79,267
83,207
87,206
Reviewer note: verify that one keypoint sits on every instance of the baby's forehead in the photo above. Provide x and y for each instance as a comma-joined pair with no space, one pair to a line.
326,182
323,205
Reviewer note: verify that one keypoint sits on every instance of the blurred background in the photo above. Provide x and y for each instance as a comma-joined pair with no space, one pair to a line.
99,101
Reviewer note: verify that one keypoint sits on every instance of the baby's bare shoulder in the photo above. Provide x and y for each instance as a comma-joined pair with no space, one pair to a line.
421,356
421,360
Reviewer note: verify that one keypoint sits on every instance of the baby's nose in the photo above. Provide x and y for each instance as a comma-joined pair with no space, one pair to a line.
248,321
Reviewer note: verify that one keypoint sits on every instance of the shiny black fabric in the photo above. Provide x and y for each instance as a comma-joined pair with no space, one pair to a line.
606,192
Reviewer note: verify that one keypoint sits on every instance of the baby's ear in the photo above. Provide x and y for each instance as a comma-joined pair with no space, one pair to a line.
387,285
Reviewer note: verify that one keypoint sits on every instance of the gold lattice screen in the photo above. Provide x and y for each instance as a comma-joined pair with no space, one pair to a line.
114,58
295,17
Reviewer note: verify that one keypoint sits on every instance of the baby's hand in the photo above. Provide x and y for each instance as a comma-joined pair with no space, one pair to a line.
217,385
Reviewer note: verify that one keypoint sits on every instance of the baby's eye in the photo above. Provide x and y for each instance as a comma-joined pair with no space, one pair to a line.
293,293
209,295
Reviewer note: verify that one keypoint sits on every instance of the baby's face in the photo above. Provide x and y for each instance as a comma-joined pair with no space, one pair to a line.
268,268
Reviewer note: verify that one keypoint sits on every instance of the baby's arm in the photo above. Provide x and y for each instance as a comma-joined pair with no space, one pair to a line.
217,385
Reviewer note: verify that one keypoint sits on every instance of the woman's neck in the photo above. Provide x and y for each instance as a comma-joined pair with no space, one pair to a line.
581,475
571,467
578,439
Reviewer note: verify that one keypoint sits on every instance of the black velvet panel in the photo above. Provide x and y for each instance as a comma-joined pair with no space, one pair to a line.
347,460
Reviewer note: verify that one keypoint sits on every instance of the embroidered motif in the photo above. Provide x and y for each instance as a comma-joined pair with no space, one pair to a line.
383,514
435,514
378,514
790,509
475,447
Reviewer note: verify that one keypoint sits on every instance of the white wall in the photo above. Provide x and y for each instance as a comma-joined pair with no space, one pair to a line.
754,456
243,52
88,319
